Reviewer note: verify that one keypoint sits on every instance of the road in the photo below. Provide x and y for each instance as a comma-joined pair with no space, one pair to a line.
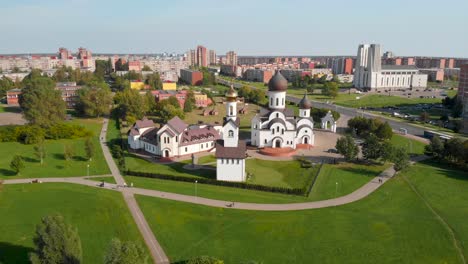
347,112
157,253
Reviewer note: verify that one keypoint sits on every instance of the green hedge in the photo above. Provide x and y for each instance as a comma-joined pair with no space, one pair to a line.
242,185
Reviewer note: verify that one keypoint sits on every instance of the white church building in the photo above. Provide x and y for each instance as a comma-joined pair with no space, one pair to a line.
277,126
230,151
370,74
174,139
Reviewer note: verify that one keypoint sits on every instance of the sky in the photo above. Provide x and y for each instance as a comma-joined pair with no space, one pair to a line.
249,27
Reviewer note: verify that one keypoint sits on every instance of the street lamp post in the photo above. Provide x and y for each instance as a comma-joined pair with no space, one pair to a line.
87,170
196,189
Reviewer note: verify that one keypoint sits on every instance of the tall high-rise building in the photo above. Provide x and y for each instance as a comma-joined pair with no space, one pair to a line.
212,57
463,82
64,53
202,56
371,74
84,53
231,58
192,57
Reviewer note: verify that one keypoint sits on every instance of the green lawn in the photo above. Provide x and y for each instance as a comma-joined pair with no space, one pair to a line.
287,174
445,189
206,159
342,179
411,145
392,225
375,100
349,175
54,163
99,215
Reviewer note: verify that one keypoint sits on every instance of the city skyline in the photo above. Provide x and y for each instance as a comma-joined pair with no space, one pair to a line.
260,28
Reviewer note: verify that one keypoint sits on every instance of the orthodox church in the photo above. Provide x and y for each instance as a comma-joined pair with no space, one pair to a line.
277,126
230,151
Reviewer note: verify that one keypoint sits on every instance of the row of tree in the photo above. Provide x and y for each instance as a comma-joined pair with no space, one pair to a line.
376,146
40,151
256,96
454,150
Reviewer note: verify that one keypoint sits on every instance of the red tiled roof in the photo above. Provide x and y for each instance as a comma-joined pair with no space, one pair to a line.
177,124
145,122
195,135
230,152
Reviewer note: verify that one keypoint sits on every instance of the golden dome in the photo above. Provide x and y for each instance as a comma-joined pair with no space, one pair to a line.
231,93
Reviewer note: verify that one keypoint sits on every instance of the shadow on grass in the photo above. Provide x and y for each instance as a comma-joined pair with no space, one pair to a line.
447,169
361,171
28,159
59,156
10,253
6,172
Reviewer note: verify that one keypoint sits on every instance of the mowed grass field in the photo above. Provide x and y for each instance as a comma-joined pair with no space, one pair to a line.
99,215
412,146
392,225
54,164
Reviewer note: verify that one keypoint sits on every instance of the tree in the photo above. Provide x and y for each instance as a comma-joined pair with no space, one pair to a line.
89,148
94,101
258,97
400,159
125,253
331,89
41,103
189,103
322,79
204,260
372,149
130,103
435,148
146,68
56,242
150,102
169,111
40,151
424,116
5,85
121,66
68,152
454,150
154,81
347,147
384,131
17,164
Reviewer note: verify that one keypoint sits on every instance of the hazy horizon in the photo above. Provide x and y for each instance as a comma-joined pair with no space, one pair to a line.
260,28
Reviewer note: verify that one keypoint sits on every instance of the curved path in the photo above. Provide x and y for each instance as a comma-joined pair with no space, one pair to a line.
360,193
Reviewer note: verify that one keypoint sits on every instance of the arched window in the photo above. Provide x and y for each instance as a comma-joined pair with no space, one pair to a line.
277,101
231,110
282,131
273,131
271,100
282,101
277,129
277,115
231,133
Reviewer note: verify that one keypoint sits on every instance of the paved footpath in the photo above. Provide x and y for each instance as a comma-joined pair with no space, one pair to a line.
155,248
359,194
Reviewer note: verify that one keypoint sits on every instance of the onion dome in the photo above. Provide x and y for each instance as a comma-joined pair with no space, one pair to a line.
231,94
305,103
277,83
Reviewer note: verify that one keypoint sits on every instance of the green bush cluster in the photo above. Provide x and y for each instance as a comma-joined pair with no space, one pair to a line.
242,185
32,134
